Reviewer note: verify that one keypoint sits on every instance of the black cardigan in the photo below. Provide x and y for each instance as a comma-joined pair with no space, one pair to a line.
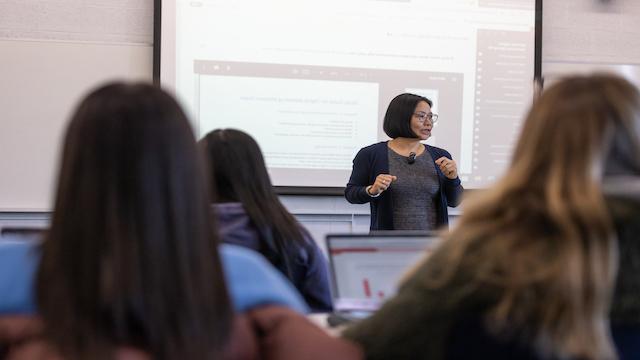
372,161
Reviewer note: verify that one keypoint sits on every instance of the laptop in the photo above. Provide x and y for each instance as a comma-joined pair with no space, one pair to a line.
19,234
367,268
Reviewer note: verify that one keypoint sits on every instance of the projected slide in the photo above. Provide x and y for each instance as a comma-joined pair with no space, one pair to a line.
311,80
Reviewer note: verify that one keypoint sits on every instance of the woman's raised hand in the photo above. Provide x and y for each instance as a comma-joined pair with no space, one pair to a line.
382,183
448,167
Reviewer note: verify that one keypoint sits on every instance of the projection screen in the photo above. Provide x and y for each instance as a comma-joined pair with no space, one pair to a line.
311,80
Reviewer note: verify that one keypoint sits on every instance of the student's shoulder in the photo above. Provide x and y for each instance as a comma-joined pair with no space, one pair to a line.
18,265
12,249
234,254
308,253
242,263
253,281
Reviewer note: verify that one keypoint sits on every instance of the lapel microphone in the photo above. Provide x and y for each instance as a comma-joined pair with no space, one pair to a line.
412,158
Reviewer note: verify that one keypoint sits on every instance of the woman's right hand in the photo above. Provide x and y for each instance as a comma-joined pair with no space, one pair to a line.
382,183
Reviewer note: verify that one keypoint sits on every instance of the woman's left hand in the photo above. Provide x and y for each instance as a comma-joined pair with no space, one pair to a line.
448,167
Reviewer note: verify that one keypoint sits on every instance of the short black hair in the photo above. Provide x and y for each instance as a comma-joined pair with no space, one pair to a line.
397,120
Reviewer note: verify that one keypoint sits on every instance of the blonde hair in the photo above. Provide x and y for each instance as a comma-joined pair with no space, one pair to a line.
540,241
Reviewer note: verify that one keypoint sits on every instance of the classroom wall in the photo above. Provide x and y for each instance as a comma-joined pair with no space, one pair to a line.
113,38
51,53
588,35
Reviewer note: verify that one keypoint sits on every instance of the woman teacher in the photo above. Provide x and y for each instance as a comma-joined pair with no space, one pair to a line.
409,185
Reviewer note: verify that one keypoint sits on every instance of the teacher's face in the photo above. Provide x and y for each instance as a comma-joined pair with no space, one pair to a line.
420,125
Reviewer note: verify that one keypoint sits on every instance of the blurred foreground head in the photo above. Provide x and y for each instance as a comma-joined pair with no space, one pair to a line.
541,238
581,125
131,257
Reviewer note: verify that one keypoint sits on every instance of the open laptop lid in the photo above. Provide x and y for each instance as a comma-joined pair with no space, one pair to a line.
366,268
21,233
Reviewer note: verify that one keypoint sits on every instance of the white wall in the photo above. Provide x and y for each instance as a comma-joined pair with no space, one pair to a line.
38,90
588,35
51,53
577,35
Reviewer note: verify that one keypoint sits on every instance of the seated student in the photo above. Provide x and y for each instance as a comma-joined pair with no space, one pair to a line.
250,214
528,271
130,267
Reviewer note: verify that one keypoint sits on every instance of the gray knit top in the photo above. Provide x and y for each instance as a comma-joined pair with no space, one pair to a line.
414,191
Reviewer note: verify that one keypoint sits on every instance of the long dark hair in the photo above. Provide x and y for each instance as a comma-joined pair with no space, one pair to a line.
131,257
238,173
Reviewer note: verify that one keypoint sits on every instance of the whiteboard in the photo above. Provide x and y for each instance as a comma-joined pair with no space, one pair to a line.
41,81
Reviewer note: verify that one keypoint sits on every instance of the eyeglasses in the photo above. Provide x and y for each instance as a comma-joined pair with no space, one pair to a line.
423,117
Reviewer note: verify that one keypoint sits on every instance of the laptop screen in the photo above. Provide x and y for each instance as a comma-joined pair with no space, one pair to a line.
19,234
366,269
